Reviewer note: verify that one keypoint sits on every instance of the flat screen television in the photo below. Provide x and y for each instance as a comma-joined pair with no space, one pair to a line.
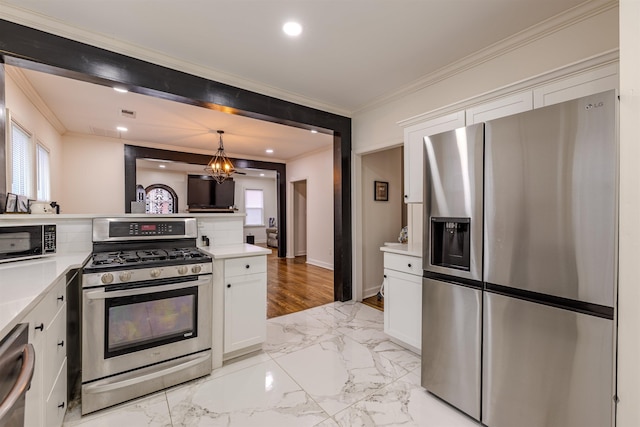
203,192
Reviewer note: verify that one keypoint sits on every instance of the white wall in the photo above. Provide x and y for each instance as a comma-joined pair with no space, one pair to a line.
270,194
377,128
629,243
381,221
317,170
92,175
27,115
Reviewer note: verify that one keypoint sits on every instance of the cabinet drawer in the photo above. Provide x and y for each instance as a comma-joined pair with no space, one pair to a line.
55,349
246,265
42,314
404,263
51,303
56,405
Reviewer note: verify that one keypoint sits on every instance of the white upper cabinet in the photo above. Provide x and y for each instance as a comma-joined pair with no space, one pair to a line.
576,86
523,96
501,107
413,155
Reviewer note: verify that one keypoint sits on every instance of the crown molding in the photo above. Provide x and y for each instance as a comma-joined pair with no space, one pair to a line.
605,59
543,29
538,31
50,25
310,153
23,83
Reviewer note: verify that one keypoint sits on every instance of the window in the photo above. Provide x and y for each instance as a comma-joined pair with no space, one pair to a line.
161,199
21,161
254,207
29,164
43,189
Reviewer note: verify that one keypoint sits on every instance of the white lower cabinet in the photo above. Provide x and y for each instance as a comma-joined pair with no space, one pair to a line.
47,332
245,304
403,300
56,405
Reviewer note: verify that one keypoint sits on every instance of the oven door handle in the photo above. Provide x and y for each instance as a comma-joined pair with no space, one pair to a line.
106,385
101,294
23,382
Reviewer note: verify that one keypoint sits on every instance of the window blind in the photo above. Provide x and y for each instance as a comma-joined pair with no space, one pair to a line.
254,207
43,173
21,161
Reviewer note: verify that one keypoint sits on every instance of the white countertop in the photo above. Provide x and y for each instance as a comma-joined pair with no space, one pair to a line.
401,248
24,283
235,251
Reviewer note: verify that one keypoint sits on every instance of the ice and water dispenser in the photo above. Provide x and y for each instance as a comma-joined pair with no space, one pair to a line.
450,242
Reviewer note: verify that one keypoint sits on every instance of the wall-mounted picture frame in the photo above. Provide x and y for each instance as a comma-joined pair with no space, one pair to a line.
12,202
380,191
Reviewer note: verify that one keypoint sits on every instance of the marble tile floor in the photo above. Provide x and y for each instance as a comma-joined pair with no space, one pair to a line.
326,366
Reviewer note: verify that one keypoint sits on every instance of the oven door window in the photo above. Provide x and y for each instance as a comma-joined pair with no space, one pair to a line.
149,320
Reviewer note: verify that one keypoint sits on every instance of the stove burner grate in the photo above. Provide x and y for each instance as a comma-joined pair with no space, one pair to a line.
143,256
152,255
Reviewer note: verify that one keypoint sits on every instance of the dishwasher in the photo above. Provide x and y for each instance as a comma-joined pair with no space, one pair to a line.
17,362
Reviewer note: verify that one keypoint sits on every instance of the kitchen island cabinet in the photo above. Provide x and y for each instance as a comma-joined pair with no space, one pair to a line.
239,300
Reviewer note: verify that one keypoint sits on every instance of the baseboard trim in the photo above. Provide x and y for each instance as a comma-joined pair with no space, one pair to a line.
320,264
369,292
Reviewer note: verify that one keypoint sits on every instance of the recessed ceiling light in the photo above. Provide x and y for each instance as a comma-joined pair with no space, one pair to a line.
162,166
314,131
269,150
120,89
122,128
292,29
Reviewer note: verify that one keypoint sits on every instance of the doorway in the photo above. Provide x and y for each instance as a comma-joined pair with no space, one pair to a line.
300,218
381,220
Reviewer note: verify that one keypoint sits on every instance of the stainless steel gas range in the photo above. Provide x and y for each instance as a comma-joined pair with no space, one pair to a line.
146,309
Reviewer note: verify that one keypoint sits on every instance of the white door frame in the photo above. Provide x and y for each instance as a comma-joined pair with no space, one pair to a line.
290,217
356,214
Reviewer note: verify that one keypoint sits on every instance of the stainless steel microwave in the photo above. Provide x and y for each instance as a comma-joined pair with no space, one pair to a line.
26,241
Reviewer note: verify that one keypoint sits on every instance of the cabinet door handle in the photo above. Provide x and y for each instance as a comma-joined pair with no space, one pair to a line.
40,327
228,285
247,266
61,298
61,405
406,196
61,343
409,265
385,276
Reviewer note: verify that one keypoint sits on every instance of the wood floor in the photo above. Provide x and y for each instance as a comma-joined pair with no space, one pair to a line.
293,285
374,302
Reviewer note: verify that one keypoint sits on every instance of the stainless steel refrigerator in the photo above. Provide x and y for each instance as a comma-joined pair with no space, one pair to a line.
520,266
452,263
550,266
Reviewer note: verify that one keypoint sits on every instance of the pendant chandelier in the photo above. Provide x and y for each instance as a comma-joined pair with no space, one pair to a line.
220,167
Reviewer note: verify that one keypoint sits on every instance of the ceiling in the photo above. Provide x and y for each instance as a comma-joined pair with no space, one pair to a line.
351,55
87,108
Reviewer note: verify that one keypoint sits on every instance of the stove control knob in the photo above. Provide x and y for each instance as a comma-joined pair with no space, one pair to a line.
106,278
183,269
155,272
125,276
196,269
